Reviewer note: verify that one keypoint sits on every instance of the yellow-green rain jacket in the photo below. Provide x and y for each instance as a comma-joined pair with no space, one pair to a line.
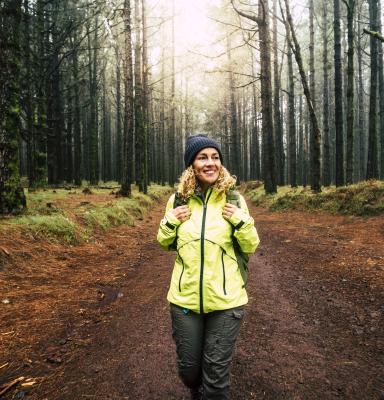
206,276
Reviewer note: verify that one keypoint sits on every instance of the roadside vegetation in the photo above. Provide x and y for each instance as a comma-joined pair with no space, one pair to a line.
362,199
73,215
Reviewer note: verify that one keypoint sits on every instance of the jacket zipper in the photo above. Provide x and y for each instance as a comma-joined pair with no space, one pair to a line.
202,251
222,263
182,272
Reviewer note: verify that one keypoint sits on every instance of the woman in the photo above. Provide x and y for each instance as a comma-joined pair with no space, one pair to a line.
207,292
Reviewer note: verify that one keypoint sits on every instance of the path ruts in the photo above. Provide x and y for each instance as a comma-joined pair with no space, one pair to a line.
313,327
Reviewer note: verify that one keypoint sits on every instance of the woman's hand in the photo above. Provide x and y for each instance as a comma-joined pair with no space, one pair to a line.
228,210
182,213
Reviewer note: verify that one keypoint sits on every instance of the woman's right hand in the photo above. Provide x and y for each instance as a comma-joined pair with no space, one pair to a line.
182,213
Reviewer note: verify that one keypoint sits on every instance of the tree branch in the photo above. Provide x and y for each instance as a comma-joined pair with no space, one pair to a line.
377,35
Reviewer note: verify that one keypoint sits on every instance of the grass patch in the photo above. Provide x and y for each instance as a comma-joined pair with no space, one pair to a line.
122,211
364,198
71,216
52,227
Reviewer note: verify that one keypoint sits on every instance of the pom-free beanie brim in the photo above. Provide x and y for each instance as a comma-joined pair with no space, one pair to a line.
197,143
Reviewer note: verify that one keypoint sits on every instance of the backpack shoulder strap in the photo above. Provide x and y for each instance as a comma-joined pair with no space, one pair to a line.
178,200
233,197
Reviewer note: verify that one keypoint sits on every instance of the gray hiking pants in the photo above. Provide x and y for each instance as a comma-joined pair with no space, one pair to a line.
204,345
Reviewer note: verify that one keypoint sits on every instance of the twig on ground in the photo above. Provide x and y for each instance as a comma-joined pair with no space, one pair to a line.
11,384
4,365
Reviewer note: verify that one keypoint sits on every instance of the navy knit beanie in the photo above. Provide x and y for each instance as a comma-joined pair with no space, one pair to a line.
196,143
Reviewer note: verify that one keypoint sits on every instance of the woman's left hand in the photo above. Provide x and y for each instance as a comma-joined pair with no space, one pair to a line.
228,210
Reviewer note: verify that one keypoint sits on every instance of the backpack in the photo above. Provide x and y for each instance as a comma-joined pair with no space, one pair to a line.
233,197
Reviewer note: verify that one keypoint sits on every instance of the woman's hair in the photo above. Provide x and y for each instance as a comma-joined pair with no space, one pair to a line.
188,182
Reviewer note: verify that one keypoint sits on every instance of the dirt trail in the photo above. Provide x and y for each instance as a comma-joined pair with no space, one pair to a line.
98,327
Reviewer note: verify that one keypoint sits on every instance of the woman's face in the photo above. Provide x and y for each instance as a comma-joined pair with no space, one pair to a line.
207,165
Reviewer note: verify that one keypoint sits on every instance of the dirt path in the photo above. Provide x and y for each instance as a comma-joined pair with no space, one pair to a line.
97,326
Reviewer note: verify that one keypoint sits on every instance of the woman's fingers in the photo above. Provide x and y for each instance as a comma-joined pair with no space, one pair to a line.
182,213
228,210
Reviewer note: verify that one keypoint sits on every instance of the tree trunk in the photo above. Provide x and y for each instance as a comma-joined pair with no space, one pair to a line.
93,117
350,92
326,144
338,96
234,148
145,99
138,102
361,134
315,154
76,115
11,193
280,158
291,113
312,81
372,162
381,96
119,159
128,108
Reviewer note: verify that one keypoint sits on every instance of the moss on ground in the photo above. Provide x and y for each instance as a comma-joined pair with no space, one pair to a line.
364,198
57,216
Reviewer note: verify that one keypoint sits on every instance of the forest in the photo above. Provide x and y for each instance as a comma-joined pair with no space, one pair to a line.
108,91
97,100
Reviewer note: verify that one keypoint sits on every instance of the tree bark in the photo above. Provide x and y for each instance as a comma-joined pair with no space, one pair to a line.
338,96
350,92
12,197
326,144
128,108
280,157
372,162
315,155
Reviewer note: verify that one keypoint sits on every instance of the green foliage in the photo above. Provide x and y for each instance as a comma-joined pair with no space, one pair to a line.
52,227
364,198
75,224
123,211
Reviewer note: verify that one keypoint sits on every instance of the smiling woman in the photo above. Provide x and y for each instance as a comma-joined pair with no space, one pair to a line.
207,291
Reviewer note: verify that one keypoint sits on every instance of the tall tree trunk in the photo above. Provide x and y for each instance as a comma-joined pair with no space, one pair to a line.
138,101
326,144
172,130
372,162
291,113
119,136
338,96
361,119
315,154
234,149
255,147
145,99
312,79
41,126
69,133
76,115
280,158
11,193
350,92
381,95
300,156
268,156
30,133
128,108
93,121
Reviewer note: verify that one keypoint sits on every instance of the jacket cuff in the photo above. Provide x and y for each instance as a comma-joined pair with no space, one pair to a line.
171,219
238,218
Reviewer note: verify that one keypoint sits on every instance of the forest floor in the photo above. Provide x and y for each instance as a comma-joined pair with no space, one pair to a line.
92,321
